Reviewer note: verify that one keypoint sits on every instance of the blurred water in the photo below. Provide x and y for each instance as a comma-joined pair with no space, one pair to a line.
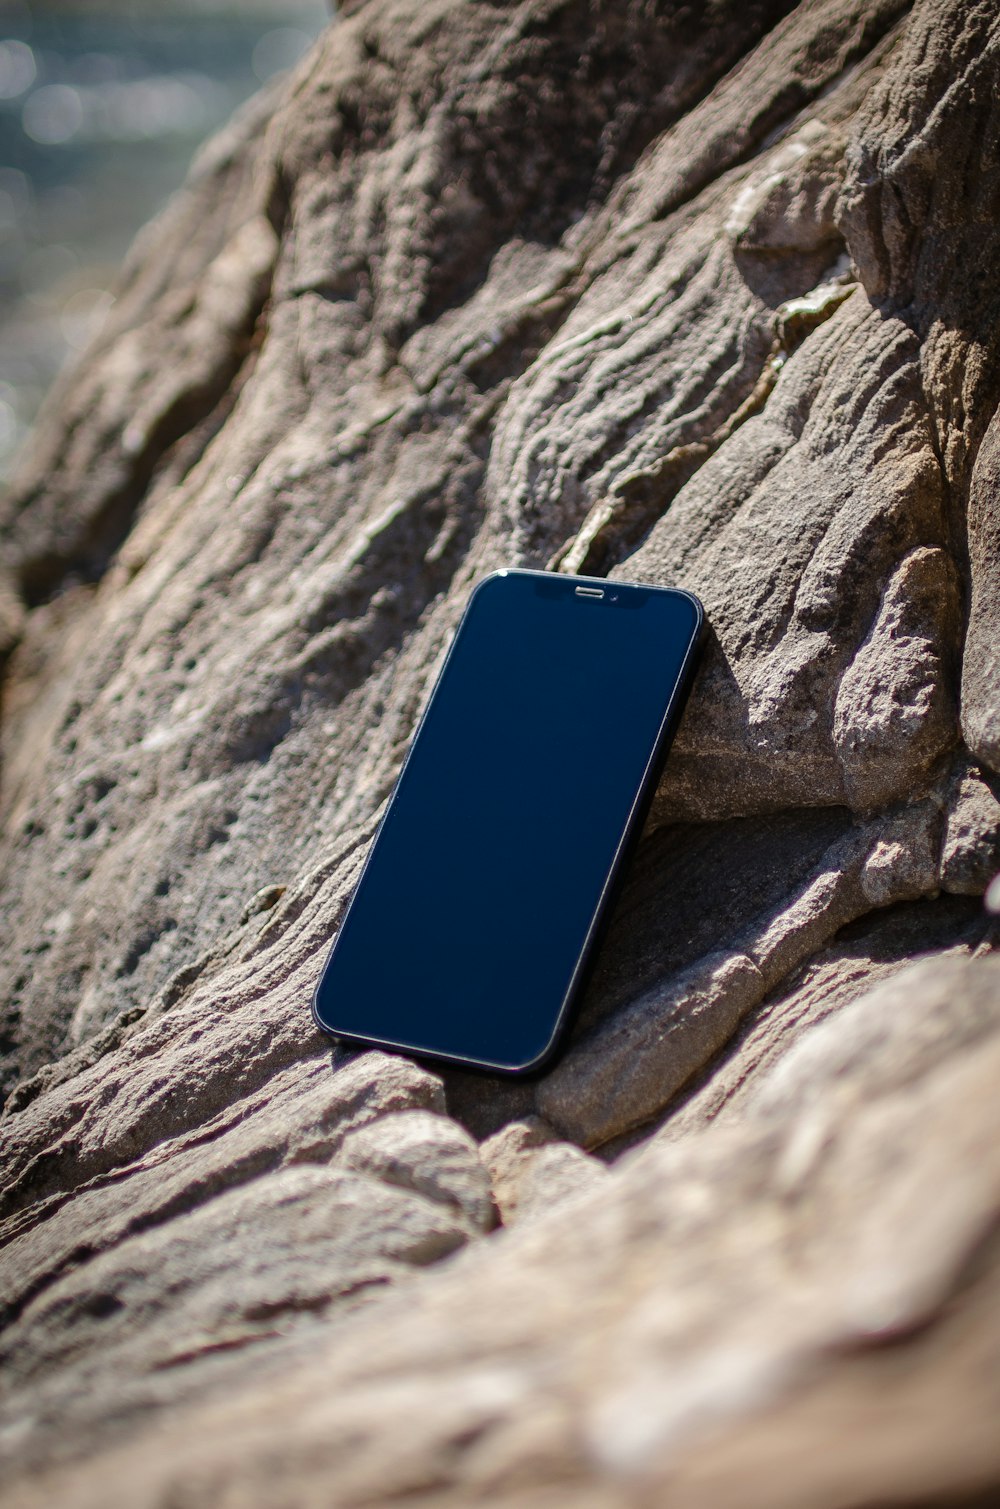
101,108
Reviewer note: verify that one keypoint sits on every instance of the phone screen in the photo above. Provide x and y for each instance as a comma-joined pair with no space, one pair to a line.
467,931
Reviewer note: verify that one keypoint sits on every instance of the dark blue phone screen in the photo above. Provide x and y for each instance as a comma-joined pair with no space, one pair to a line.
467,927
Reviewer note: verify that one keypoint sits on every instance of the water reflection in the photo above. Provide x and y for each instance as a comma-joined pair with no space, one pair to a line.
17,69
101,107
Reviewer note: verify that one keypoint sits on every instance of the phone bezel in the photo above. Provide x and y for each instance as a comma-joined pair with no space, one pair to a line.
630,834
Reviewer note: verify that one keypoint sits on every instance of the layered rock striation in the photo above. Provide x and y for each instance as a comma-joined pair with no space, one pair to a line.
697,296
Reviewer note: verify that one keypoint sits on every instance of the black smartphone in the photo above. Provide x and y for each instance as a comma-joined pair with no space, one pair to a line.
469,932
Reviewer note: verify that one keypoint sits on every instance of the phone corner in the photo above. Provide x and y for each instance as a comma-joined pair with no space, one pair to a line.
699,610
314,1012
542,1061
500,573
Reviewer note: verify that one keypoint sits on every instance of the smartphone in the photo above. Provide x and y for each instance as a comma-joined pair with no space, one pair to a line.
469,933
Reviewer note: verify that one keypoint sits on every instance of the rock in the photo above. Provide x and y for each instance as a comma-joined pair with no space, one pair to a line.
557,1173
425,1153
629,1067
971,852
789,608
747,1289
633,1066
532,1170
389,444
671,297
981,661
891,1037
303,1115
11,615
165,1299
508,1154
180,329
878,947
894,714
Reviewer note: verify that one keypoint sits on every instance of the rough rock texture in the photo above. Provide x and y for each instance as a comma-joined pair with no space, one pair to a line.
701,295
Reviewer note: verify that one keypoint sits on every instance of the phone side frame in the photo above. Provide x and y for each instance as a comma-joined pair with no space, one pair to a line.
609,891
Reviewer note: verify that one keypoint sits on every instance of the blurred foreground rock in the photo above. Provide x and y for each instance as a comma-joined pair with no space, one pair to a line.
700,301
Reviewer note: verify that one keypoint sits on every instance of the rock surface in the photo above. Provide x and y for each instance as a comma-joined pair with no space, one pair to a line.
697,299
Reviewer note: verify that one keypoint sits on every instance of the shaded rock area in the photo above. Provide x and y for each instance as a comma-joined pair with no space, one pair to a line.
701,296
